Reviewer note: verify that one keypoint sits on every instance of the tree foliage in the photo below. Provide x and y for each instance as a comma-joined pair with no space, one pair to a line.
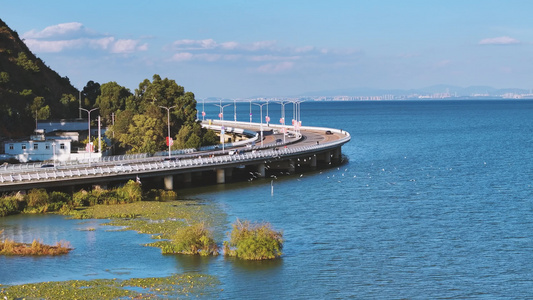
141,119
112,98
90,93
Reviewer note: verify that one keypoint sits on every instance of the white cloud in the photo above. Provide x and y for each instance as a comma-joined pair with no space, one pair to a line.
73,36
276,68
194,44
55,31
502,40
127,46
208,44
182,56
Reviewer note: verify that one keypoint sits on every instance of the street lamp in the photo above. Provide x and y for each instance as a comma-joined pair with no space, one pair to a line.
168,124
267,118
235,110
203,111
282,119
221,115
296,115
89,136
261,106
250,112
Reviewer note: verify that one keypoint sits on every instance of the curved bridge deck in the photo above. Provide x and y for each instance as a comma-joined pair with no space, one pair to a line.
312,145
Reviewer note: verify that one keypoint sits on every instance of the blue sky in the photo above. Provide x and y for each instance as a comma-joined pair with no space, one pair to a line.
240,49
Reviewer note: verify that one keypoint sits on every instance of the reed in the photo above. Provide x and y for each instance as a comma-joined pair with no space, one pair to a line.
10,247
194,239
254,241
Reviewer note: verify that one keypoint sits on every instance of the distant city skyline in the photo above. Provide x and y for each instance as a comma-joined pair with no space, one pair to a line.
247,49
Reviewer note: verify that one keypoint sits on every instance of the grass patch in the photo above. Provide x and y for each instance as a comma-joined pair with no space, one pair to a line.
175,286
10,247
254,241
160,219
192,240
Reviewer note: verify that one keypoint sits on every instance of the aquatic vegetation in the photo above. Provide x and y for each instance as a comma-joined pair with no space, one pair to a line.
175,286
161,195
130,192
10,247
193,239
255,241
161,219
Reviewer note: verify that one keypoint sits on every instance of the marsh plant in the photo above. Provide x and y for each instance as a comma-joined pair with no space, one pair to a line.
254,241
193,239
10,247
129,193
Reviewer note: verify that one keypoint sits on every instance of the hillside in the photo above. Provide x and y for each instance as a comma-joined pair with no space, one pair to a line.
28,88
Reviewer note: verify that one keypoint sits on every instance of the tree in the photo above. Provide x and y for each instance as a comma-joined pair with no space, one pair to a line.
69,106
39,110
112,99
144,134
141,123
90,92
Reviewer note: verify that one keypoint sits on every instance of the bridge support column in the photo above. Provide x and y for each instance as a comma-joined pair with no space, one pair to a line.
168,181
221,176
313,161
261,170
327,157
228,172
337,153
187,177
292,166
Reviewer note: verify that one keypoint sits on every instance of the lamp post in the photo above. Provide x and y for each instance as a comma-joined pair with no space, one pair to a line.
250,112
203,111
235,110
221,115
261,106
267,118
282,119
296,115
54,151
89,135
168,124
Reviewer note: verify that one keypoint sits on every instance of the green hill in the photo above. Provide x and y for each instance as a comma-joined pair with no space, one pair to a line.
28,88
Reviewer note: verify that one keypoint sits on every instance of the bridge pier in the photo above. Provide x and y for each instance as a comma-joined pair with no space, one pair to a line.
337,154
292,166
221,176
261,170
187,177
327,157
168,181
313,161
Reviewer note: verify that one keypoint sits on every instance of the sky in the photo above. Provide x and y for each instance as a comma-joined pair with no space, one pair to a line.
245,49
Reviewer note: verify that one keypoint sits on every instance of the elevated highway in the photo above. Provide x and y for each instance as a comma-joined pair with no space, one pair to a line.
307,147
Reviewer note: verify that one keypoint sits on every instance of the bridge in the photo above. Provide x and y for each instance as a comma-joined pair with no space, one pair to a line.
305,147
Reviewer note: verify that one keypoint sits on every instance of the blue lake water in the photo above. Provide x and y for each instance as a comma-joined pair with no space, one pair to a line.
435,201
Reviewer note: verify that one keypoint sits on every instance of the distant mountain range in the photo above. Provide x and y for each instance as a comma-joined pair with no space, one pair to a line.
435,89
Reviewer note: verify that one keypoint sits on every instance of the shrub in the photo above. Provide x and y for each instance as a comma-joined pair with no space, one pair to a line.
81,198
37,198
9,205
56,197
130,192
256,241
194,239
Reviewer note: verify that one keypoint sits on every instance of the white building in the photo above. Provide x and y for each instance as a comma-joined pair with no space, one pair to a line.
39,148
